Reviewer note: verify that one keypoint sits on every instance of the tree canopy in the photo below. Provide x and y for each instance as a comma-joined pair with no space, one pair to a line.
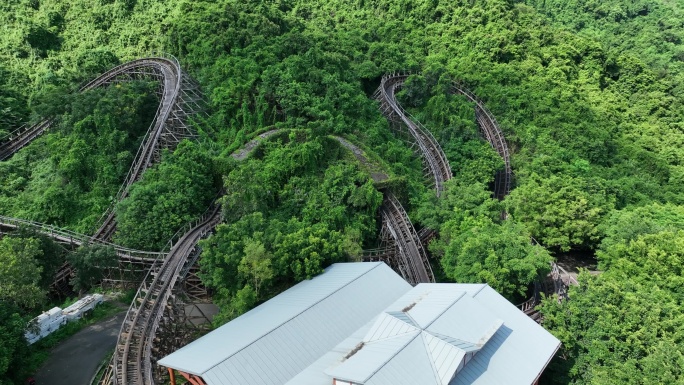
589,96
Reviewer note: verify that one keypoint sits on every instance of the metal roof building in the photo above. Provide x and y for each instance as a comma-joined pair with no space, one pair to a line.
442,334
361,324
273,342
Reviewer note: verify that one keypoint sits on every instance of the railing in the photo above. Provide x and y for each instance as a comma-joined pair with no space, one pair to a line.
75,238
492,132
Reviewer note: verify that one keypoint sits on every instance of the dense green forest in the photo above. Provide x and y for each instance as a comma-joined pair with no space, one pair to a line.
589,95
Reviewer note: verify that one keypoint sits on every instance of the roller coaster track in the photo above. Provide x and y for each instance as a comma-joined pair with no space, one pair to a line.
431,151
492,132
412,261
133,361
178,99
405,251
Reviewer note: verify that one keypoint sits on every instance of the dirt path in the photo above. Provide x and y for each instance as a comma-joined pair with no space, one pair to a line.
75,360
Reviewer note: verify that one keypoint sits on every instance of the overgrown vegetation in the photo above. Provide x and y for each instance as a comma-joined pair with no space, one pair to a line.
589,95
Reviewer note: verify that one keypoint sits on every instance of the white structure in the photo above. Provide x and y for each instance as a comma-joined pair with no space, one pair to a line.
361,324
273,342
45,324
51,320
87,303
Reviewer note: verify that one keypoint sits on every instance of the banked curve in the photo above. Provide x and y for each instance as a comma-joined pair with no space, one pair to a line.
171,113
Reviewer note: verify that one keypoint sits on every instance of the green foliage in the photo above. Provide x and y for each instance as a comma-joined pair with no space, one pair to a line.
562,212
290,213
168,196
625,325
475,245
20,272
69,176
628,224
13,344
589,96
51,257
90,263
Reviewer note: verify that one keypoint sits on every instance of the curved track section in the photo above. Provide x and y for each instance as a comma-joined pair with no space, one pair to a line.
412,262
132,360
492,132
431,150
178,99
168,127
406,253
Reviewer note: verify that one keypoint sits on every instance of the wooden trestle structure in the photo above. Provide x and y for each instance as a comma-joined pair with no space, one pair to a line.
401,246
158,321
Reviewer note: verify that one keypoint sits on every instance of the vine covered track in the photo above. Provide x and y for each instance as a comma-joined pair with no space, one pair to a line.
430,149
179,97
492,132
130,260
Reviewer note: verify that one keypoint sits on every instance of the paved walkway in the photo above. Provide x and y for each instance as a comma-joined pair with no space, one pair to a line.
75,360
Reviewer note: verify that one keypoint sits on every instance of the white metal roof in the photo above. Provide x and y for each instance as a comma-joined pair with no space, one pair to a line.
428,333
276,340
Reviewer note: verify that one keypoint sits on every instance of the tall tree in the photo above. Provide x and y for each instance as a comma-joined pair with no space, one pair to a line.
20,272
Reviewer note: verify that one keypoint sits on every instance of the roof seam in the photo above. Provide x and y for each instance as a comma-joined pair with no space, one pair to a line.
431,359
392,357
295,316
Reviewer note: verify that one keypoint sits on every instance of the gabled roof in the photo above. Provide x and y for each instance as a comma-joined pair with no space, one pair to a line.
276,340
440,334
447,325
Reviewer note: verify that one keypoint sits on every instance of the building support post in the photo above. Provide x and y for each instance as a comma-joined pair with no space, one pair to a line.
172,376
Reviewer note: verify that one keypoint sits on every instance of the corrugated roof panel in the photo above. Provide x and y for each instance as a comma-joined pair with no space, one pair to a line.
298,326
516,352
433,301
410,366
371,358
388,326
467,320
445,357
463,345
315,373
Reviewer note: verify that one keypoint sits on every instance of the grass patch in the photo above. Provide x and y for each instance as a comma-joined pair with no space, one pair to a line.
103,368
128,296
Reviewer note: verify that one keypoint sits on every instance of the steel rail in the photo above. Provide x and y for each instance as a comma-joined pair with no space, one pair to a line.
430,149
414,259
492,132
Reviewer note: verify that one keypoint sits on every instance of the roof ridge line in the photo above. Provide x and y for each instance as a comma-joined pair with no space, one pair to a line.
296,315
463,293
418,333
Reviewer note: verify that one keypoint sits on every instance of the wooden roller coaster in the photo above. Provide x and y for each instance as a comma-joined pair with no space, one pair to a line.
134,358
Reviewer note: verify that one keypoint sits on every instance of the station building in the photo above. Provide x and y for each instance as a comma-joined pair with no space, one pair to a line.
362,324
